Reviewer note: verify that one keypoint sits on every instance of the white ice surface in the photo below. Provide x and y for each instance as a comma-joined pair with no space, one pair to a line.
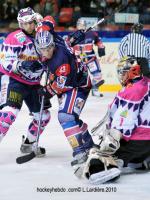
20,182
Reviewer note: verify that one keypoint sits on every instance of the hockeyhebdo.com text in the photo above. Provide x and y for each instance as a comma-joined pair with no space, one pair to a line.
75,189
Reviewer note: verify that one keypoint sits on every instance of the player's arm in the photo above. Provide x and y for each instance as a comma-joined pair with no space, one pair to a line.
57,81
47,24
98,42
11,53
124,119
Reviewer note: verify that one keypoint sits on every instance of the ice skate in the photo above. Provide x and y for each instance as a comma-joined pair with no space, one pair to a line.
78,164
96,93
79,158
28,147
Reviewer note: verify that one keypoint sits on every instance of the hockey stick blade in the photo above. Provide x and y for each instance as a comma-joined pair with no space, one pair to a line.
25,158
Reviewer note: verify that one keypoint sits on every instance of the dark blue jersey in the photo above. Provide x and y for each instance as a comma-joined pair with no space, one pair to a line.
85,48
65,73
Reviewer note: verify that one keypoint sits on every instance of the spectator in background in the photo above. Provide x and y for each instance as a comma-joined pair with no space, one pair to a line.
133,7
49,7
2,9
136,44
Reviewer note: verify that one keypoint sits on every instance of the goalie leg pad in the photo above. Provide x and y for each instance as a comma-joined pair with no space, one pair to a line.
105,176
100,168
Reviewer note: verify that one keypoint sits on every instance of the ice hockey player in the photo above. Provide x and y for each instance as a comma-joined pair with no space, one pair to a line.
127,135
20,74
48,24
84,50
72,85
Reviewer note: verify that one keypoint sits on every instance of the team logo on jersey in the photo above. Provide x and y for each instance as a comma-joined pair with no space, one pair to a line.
124,113
20,37
61,80
63,70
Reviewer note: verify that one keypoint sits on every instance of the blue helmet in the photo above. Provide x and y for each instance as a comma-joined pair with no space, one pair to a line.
44,39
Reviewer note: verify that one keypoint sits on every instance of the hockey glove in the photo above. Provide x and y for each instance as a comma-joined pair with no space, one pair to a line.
32,66
77,37
42,91
101,52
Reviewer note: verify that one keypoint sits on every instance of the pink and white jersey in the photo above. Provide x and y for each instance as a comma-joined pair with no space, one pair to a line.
19,47
130,111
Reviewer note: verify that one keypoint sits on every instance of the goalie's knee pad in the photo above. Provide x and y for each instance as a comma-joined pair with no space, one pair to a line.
100,168
33,127
7,117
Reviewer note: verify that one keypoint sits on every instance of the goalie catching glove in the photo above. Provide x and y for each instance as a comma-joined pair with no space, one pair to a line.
110,141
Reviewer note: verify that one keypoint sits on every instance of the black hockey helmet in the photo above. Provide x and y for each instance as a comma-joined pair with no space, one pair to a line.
137,28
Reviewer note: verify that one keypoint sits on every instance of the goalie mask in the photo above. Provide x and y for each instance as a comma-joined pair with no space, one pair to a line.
26,15
128,69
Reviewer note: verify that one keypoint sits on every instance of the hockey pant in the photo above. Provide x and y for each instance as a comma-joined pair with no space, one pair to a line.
13,93
133,151
71,104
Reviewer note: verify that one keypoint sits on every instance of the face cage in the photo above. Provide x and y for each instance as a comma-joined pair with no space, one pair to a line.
121,73
46,47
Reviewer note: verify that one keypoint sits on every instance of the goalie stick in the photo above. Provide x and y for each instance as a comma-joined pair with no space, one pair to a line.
100,123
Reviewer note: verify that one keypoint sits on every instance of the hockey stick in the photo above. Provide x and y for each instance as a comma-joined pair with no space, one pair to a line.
28,157
120,8
100,123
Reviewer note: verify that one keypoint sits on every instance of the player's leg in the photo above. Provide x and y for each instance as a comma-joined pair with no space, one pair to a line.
95,70
11,102
33,103
70,106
